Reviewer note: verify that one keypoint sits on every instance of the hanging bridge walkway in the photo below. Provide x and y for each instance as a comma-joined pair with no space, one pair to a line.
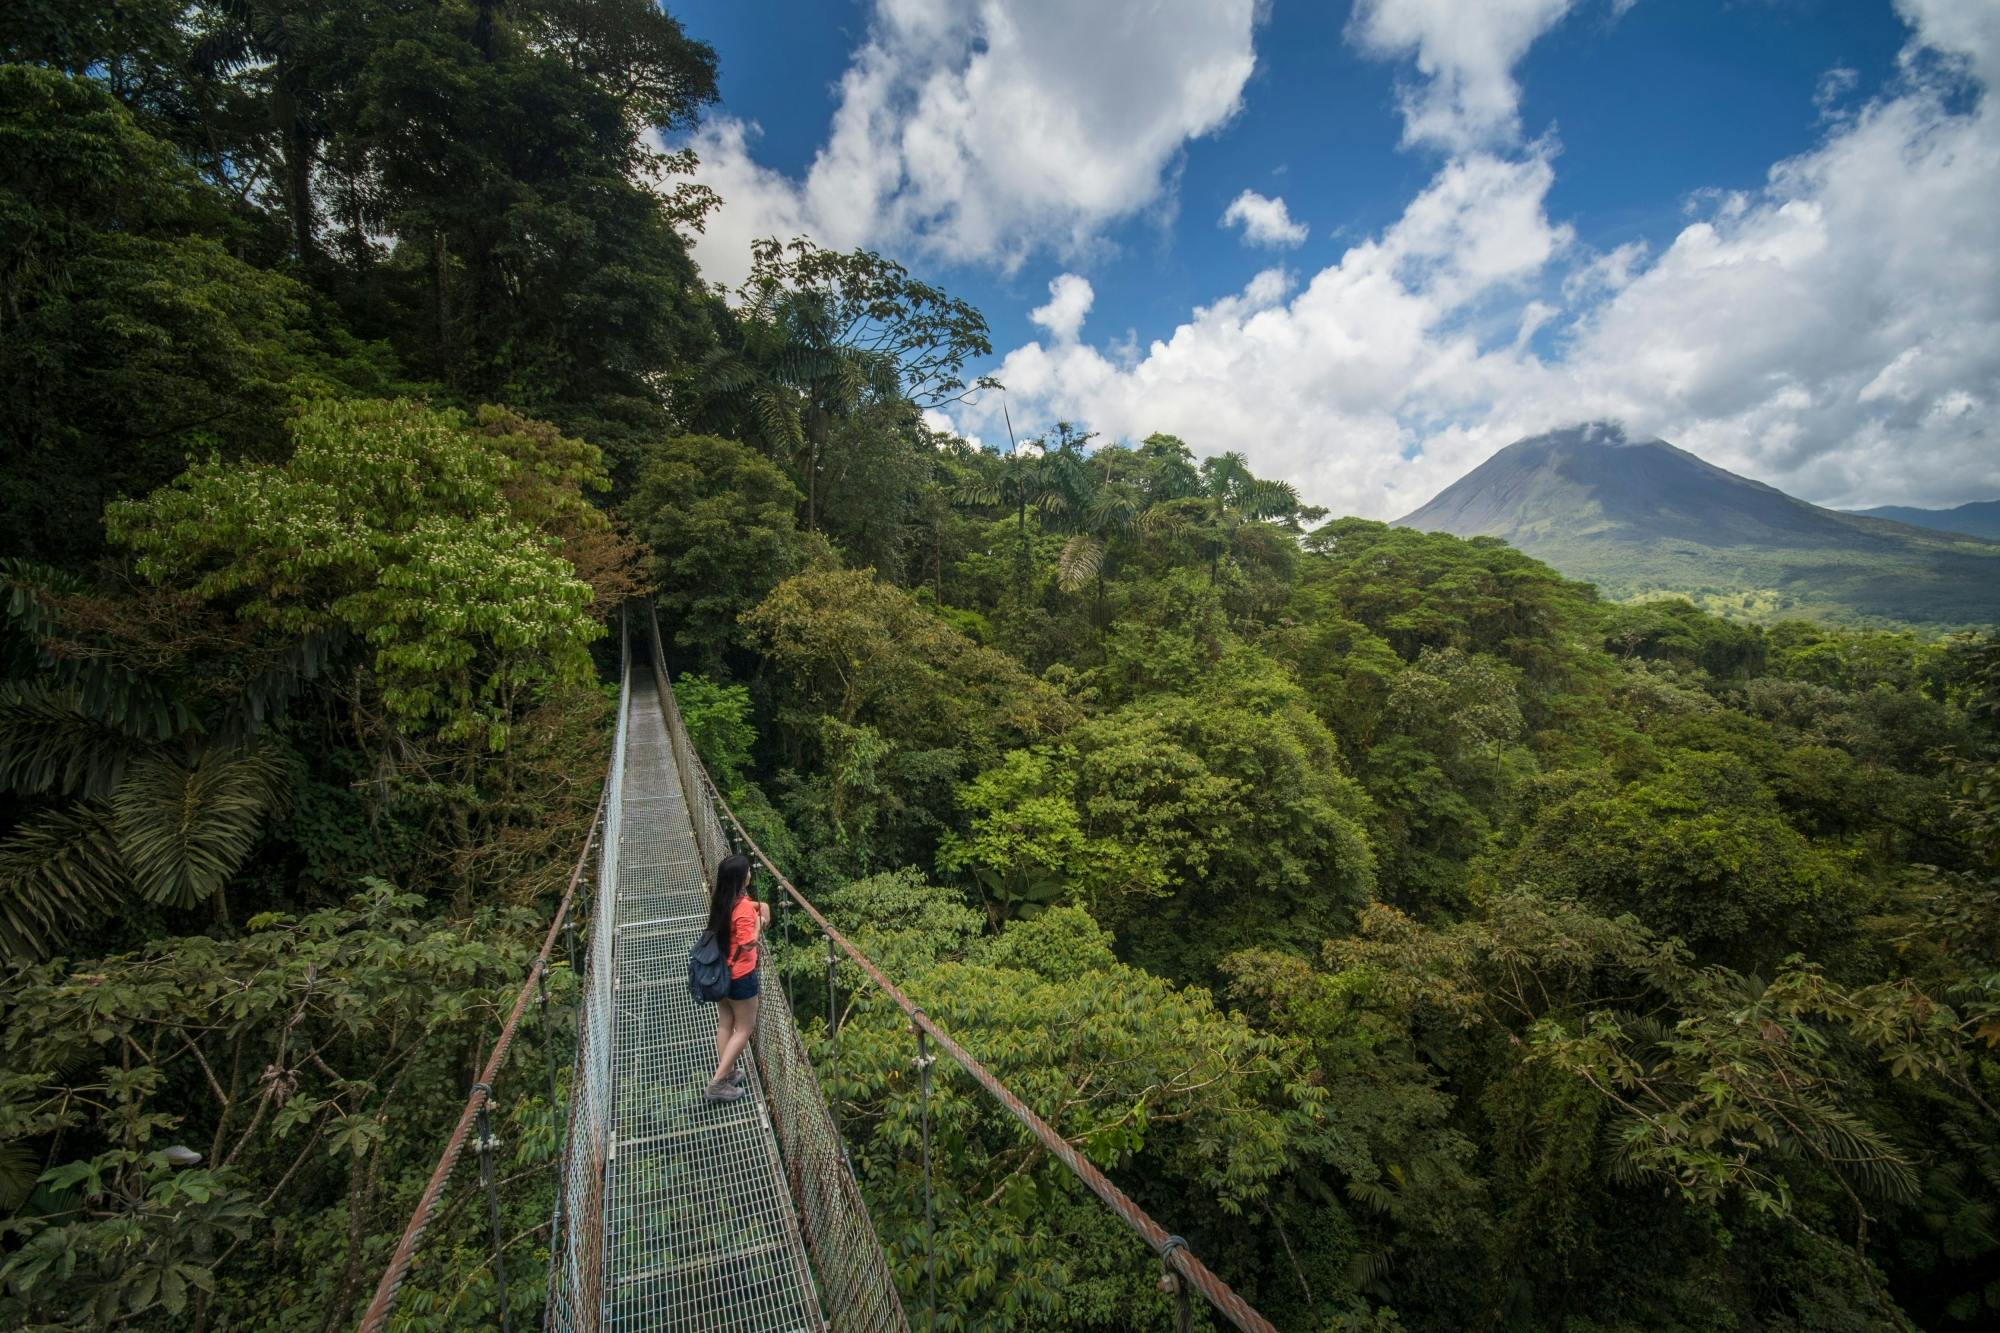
701,1230
674,1213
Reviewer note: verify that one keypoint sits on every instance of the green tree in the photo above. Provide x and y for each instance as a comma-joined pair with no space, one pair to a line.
719,725
1235,513
1237,793
825,334
394,523
1039,479
1427,590
1025,846
1442,775
277,55
720,521
129,331
1384,1177
309,1063
1698,850
885,706
1154,1084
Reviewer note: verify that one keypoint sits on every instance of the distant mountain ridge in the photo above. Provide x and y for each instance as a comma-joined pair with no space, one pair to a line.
1980,518
1639,517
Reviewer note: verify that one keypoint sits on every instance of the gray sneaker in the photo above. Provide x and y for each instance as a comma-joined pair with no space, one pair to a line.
723,1092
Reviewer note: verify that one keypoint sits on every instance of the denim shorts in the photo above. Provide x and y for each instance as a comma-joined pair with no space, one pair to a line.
744,987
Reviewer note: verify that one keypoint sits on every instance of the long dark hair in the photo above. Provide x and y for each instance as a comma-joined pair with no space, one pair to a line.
732,881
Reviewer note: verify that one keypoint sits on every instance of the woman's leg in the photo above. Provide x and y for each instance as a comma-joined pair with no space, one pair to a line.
739,1036
725,1024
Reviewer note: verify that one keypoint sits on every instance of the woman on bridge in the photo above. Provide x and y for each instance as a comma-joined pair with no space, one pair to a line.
737,920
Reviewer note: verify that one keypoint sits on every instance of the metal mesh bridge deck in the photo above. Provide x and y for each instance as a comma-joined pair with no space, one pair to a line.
700,1233
672,1212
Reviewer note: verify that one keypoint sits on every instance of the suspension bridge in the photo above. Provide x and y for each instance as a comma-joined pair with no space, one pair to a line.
674,1214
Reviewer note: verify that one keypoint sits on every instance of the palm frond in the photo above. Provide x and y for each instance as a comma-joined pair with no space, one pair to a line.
1111,510
138,703
18,1168
723,372
1226,473
1082,556
184,829
59,871
1166,519
50,744
1269,499
1863,1153
271,691
778,415
28,584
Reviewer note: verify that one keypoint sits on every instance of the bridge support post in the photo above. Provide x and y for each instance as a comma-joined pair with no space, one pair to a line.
549,1040
833,1040
924,1062
487,1143
785,915
1170,1283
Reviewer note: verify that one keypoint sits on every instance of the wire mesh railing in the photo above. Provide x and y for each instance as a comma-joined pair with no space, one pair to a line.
857,1289
576,1246
854,1285
573,1267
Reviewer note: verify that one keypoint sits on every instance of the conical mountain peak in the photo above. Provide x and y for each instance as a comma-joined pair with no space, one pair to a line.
1638,516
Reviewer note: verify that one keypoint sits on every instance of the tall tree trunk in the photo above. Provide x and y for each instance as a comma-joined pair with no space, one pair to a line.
297,138
812,484
482,30
440,303
1021,557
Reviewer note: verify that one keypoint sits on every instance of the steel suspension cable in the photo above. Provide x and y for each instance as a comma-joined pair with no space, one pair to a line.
376,1316
1172,1250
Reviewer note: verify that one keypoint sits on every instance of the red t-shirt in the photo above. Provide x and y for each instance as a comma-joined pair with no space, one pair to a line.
743,937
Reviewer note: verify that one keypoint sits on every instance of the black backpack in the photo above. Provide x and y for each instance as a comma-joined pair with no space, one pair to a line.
708,969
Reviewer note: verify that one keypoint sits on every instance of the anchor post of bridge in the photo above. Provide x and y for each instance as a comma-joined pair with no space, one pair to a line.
924,1062
1171,1284
487,1143
785,915
833,1042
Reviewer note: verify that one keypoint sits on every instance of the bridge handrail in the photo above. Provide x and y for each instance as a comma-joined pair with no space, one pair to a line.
1172,1250
377,1314
382,1305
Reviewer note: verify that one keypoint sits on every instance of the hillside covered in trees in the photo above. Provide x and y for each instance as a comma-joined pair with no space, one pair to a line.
1434,943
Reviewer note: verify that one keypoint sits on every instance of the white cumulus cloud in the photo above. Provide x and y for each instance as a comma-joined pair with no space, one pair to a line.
1466,53
1967,30
1835,332
986,130
1822,334
1069,301
1264,221
1313,384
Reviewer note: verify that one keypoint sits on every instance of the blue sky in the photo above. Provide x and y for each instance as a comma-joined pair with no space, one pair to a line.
1741,224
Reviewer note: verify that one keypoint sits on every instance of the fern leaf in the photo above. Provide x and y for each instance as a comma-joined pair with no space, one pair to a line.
18,1169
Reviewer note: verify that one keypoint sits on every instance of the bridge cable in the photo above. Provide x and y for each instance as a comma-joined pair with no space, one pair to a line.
1174,1254
376,1316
